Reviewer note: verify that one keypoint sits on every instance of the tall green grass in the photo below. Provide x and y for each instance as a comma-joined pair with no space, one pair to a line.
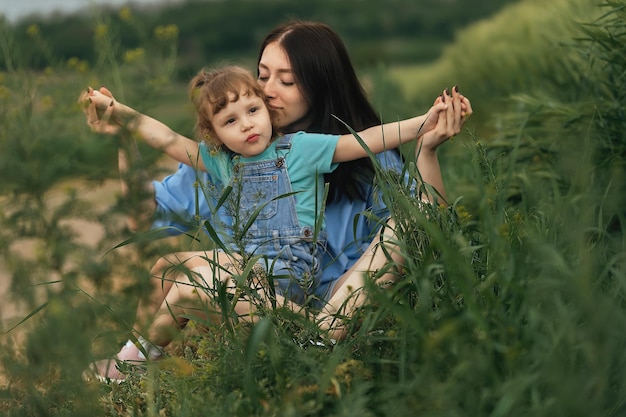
57,224
511,301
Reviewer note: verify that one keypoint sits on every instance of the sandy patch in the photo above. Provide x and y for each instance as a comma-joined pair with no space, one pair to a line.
88,233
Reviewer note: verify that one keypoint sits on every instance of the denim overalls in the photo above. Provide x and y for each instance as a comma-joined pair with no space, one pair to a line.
290,254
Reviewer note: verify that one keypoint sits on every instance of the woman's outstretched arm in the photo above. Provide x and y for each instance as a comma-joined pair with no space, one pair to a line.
383,254
449,124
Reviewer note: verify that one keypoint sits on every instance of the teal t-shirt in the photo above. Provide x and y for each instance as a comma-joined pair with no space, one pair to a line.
309,158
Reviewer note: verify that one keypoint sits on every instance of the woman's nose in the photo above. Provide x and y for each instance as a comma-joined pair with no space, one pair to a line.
269,89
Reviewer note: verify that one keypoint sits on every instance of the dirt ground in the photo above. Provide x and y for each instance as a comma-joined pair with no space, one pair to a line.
90,233
100,198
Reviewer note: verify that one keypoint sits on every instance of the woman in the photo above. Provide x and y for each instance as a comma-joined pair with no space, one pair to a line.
306,73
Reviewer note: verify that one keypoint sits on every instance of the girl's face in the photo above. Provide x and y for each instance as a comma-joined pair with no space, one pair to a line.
278,82
244,126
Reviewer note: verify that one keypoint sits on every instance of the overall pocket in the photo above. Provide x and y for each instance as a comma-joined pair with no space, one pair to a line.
257,191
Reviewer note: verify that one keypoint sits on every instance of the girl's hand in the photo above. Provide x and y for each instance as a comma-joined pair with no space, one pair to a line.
98,106
450,120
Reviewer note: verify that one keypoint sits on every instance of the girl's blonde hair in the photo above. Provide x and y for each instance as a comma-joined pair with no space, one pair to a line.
212,89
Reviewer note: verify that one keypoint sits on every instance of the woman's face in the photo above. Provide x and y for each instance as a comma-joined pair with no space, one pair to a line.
278,82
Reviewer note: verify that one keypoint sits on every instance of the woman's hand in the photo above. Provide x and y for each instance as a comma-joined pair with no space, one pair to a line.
98,106
450,120
449,123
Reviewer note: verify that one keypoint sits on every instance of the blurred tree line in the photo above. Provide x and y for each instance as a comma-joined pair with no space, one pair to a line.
394,31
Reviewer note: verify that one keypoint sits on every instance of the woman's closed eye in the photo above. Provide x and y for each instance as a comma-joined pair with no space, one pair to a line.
264,79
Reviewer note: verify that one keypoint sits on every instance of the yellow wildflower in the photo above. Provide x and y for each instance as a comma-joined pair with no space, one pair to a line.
165,33
5,93
134,55
82,67
101,30
178,366
126,14
46,102
79,65
463,214
33,30
72,62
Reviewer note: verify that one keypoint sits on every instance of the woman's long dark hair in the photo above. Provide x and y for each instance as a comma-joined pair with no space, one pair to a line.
324,73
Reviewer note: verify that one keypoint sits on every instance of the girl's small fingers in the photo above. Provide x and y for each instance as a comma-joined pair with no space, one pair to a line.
439,107
106,116
106,91
91,113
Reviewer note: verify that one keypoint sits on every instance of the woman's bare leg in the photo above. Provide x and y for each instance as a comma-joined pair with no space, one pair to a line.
381,260
190,295
184,292
164,273
191,291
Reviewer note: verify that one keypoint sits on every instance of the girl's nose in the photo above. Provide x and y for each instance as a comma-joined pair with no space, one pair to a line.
246,123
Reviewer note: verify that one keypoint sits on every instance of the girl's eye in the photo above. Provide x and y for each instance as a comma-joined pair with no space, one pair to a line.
230,121
254,109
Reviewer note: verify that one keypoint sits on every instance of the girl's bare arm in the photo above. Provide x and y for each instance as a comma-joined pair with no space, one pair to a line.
386,136
151,131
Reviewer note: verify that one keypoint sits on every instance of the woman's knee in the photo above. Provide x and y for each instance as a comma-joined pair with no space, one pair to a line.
159,266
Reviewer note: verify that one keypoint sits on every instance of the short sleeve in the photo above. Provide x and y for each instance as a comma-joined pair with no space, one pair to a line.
176,199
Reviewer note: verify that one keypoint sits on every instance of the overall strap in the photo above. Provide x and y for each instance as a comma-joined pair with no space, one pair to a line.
283,146
284,142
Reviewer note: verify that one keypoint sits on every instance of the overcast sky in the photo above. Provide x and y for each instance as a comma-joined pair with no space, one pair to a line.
16,9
